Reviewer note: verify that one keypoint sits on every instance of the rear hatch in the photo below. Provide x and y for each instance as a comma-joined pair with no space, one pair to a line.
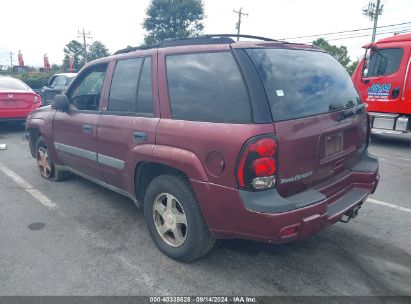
319,119
16,101
16,95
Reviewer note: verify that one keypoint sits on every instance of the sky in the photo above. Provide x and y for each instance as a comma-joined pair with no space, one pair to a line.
46,26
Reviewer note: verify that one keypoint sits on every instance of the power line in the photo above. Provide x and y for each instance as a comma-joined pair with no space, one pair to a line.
238,25
381,33
84,34
362,34
366,35
11,59
347,31
373,11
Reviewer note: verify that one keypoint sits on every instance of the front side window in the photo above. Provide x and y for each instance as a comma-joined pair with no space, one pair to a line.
384,62
85,94
207,87
301,83
124,84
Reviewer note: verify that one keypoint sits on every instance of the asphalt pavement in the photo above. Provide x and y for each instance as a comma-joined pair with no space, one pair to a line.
77,238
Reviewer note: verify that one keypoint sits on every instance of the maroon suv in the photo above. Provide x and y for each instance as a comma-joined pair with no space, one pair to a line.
262,140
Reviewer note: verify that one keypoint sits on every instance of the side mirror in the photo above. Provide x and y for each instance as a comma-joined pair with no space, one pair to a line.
60,102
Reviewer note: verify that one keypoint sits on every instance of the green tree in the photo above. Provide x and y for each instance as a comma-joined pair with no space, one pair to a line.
74,48
56,68
97,50
339,52
173,19
352,66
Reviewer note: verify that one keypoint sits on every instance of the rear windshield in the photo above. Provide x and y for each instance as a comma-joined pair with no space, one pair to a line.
8,84
68,80
303,83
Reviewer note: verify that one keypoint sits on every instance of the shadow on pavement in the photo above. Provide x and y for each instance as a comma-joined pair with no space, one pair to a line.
11,127
385,266
400,140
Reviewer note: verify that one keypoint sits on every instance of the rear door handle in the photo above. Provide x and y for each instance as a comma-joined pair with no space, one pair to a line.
140,136
87,128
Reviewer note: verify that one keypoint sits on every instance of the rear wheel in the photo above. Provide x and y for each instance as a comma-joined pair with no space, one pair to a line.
46,164
174,219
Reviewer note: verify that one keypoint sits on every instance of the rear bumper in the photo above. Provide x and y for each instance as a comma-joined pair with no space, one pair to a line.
17,114
230,214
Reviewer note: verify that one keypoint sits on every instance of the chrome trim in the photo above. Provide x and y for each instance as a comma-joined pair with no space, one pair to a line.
101,183
76,151
100,158
110,161
383,115
405,79
382,131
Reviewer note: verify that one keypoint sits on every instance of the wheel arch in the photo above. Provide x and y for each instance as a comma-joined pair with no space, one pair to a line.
146,171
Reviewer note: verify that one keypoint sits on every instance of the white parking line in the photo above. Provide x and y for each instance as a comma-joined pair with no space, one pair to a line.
374,201
44,200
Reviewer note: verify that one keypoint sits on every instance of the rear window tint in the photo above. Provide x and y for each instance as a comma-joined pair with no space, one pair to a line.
207,87
11,84
123,91
303,83
384,62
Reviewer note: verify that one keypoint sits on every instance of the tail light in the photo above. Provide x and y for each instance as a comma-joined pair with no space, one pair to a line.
37,99
257,165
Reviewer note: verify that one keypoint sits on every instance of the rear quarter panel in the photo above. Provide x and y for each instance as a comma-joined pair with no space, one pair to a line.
187,145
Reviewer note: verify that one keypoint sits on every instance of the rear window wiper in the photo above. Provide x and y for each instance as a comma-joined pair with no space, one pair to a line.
351,112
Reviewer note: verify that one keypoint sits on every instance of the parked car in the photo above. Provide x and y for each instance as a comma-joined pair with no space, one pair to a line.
17,99
383,79
260,140
56,85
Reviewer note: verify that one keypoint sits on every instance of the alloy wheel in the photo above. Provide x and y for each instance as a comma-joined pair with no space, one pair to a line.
170,219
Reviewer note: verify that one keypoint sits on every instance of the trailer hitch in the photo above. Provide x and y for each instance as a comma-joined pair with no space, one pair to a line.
350,214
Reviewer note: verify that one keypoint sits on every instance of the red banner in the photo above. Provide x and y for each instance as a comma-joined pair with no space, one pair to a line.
46,62
20,58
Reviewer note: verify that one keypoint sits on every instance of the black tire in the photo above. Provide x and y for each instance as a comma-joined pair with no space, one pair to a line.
54,174
198,240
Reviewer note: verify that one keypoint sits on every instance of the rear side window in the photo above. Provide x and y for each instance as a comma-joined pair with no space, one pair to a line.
384,62
303,83
124,84
207,87
145,90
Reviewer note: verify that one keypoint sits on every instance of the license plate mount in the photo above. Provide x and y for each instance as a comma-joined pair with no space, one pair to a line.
334,144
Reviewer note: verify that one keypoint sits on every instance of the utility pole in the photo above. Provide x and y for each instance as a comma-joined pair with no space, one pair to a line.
84,34
238,24
11,59
373,11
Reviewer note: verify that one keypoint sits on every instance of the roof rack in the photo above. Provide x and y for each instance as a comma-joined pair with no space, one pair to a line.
202,39
236,35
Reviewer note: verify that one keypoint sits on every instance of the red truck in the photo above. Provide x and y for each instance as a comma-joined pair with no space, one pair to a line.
383,79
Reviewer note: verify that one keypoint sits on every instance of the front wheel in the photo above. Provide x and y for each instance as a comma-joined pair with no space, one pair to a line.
46,164
174,219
